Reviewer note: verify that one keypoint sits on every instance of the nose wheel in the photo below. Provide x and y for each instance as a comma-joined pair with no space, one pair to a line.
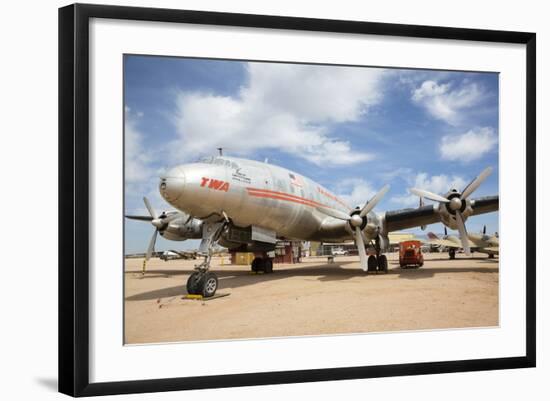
203,283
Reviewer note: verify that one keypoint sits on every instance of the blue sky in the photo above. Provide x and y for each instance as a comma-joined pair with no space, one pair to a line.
352,129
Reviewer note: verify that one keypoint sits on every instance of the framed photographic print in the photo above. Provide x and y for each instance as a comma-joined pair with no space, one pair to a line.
253,199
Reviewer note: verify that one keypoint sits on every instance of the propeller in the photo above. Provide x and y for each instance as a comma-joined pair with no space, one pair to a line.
356,221
456,204
159,222
476,182
428,195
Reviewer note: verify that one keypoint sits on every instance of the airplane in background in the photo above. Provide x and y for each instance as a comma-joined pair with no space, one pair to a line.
246,205
482,243
173,254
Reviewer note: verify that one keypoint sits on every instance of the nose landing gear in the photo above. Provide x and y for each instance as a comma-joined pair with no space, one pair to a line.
201,281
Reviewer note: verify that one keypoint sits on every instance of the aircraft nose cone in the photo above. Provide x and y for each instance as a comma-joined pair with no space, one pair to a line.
172,184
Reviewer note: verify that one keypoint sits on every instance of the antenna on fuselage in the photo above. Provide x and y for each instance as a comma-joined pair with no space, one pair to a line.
220,151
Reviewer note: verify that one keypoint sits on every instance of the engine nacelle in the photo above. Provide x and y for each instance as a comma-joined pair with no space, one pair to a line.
183,228
384,242
373,226
446,212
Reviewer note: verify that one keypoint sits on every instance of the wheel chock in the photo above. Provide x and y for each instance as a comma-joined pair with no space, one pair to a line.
198,297
193,296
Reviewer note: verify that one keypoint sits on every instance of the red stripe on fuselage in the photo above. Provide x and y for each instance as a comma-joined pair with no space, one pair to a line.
278,197
268,192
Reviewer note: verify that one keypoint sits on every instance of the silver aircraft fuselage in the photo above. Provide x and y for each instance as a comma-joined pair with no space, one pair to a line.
253,193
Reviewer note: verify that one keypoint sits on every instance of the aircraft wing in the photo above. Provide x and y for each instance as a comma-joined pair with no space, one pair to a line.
402,219
485,204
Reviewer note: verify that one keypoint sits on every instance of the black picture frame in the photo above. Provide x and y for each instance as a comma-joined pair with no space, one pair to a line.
74,198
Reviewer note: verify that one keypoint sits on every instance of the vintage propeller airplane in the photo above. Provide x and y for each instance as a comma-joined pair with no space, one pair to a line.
248,205
482,243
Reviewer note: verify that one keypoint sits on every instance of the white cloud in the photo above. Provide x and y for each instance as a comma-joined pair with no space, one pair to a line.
401,172
468,146
355,191
445,103
140,176
136,158
287,107
439,184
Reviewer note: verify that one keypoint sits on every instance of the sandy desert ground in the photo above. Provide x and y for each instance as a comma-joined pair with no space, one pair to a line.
310,298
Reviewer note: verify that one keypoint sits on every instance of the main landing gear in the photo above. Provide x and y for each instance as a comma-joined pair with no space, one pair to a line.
263,264
204,282
379,262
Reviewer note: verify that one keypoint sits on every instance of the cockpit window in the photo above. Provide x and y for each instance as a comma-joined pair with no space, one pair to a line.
218,161
206,160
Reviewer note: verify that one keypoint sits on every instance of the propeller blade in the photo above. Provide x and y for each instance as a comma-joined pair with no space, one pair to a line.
151,245
420,205
142,218
476,182
361,248
445,228
149,207
463,234
375,199
428,195
337,214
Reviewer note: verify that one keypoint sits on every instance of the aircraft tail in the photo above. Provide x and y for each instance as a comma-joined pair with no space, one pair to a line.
432,236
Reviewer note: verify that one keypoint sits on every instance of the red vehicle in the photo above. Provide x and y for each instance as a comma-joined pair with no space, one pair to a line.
410,254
